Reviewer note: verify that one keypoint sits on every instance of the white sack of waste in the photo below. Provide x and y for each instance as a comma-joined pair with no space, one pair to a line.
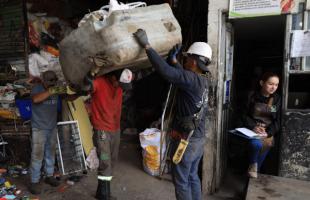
112,45
150,142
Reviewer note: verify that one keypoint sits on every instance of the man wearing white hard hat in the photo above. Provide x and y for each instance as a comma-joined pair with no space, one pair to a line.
190,114
106,106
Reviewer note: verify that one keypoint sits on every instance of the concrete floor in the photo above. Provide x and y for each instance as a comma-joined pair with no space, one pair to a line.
130,182
277,188
233,187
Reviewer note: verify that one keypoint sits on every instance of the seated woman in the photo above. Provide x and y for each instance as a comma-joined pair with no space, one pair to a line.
262,115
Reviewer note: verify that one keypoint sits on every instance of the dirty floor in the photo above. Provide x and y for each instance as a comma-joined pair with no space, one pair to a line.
130,182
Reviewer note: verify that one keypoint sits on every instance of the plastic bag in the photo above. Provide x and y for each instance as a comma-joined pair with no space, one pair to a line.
37,64
98,17
92,160
114,5
34,37
150,142
94,17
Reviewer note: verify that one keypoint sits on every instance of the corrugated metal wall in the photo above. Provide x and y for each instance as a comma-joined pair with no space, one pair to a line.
12,34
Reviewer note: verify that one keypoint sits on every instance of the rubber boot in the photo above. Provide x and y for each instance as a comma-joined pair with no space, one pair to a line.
103,190
98,189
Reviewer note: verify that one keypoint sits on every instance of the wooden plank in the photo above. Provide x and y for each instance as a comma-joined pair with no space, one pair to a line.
267,187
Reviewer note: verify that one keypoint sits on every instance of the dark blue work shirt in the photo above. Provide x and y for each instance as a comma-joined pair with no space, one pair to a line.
192,93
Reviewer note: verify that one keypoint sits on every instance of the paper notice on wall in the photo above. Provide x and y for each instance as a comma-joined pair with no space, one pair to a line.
254,8
300,45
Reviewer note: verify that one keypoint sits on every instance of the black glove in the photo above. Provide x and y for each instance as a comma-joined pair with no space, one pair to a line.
82,93
141,38
172,55
78,90
186,124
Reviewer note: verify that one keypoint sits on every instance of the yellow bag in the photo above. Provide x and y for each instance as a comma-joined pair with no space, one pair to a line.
151,157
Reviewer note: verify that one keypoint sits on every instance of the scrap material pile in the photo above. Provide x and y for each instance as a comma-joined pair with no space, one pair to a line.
44,35
7,189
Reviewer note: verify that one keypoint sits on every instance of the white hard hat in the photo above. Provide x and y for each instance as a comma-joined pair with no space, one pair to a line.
200,49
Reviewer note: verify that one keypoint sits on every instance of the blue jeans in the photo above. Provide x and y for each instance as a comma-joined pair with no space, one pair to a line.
43,146
185,174
256,156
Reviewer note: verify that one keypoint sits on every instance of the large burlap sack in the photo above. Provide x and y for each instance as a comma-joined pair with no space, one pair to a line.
113,46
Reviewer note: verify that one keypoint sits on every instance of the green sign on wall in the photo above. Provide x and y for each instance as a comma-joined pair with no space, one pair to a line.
254,8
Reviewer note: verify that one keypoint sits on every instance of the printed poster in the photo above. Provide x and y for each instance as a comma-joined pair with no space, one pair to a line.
255,8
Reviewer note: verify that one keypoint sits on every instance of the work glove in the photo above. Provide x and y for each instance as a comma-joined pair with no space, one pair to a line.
172,55
186,124
141,38
57,90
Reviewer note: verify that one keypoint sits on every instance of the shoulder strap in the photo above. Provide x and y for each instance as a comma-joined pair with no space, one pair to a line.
198,115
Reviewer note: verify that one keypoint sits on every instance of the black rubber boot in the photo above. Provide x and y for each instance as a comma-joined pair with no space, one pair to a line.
103,190
98,189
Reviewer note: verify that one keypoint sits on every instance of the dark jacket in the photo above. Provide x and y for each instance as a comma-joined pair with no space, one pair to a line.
270,116
192,93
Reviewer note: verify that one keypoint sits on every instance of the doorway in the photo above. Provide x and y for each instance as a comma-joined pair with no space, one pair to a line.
258,48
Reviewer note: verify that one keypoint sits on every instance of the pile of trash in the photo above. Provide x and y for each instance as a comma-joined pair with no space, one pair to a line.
44,35
7,189
8,93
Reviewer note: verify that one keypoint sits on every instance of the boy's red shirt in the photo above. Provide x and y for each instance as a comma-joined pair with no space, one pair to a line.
106,105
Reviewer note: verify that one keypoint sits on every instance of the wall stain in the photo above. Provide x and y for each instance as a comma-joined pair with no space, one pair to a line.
295,146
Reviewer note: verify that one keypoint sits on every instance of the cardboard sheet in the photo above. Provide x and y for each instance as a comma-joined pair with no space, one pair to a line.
79,113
